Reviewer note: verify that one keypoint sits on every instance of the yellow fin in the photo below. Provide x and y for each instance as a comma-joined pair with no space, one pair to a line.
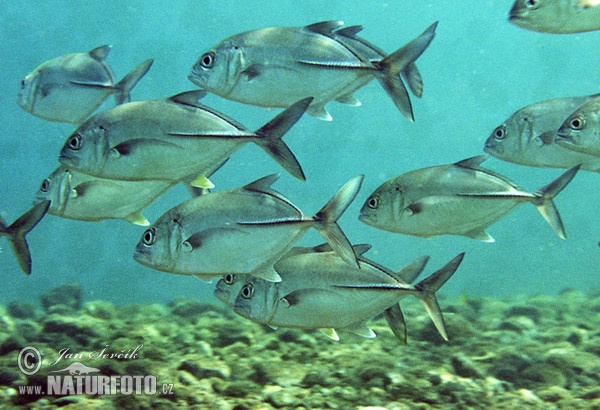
138,219
202,182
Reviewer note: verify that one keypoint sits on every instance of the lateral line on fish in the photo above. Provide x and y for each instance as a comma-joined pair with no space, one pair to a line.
282,221
500,195
378,286
333,64
211,135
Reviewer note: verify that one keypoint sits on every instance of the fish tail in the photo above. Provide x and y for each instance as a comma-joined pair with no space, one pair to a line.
402,62
129,81
544,200
271,133
432,284
19,229
328,216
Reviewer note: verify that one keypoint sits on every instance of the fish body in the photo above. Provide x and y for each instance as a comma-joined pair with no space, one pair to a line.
170,139
274,67
319,290
240,231
70,87
528,136
556,16
456,199
74,195
16,232
580,132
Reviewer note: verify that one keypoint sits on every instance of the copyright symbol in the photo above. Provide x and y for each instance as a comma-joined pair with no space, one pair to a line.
30,360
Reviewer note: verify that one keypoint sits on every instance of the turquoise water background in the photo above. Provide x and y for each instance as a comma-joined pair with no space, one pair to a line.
478,70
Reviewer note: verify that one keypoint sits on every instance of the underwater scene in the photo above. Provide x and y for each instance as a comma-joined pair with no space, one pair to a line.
306,205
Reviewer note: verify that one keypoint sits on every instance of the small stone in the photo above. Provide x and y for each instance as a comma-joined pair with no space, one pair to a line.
208,369
68,295
315,378
531,312
554,394
281,399
517,324
99,309
21,310
189,309
465,367
240,388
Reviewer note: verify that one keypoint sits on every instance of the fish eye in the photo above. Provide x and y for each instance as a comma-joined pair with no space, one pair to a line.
532,4
229,279
149,237
75,142
499,133
577,123
207,60
373,202
247,291
45,185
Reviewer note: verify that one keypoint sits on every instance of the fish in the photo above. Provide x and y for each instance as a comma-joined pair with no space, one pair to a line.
16,232
580,132
456,199
319,291
274,67
170,139
242,231
556,16
528,136
74,195
70,87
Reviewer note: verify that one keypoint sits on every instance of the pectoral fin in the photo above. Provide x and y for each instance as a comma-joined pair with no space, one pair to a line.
128,147
330,333
305,296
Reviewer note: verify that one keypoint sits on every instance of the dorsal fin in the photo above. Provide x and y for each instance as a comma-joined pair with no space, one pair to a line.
263,184
189,98
471,163
325,28
100,53
350,31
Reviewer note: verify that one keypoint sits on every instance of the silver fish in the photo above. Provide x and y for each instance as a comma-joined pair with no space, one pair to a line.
16,232
74,195
528,136
171,139
70,87
580,132
274,67
456,199
319,290
556,16
244,230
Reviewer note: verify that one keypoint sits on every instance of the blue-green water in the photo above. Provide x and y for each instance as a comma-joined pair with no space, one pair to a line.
478,70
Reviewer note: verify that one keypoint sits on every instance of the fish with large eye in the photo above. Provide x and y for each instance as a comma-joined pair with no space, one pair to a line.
580,132
70,88
319,290
172,139
556,16
530,136
277,66
457,199
240,231
75,195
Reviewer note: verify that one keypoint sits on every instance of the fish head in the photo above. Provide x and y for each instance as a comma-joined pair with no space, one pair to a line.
257,300
56,188
228,287
575,130
384,205
536,15
27,93
86,150
157,247
218,69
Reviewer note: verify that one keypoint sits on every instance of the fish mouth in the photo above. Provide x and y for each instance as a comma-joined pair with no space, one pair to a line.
565,140
491,149
196,78
68,160
365,219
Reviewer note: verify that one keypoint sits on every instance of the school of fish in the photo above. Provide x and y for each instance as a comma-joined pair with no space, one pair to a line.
120,160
